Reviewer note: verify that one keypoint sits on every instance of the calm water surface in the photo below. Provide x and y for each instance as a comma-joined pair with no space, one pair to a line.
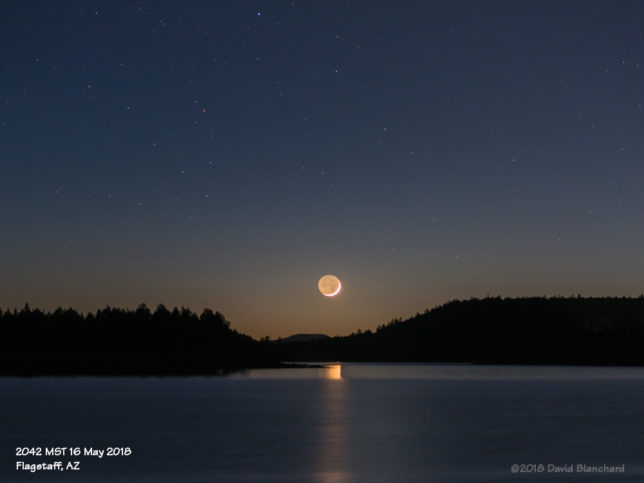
346,423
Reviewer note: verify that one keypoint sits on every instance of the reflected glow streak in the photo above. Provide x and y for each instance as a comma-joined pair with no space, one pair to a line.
333,372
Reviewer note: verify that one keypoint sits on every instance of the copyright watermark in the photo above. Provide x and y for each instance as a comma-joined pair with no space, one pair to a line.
566,468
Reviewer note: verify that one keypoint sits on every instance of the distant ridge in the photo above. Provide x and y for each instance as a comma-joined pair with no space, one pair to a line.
303,338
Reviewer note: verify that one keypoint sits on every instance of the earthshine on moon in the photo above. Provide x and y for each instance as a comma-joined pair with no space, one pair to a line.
330,285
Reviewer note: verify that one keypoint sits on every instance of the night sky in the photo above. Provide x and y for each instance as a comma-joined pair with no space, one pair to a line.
229,154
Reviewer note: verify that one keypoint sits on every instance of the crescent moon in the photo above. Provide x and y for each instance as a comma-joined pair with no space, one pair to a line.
329,285
336,292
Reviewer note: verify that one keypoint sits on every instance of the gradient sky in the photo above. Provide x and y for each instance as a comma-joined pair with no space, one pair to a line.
228,154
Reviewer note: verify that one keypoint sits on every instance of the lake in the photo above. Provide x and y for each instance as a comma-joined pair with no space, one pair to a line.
344,423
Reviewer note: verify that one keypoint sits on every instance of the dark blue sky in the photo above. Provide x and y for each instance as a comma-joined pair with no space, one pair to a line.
228,154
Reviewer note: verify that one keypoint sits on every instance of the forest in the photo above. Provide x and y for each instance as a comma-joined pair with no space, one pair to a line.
124,342
538,330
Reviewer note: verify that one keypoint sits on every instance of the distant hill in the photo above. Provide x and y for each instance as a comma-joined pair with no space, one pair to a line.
557,330
303,338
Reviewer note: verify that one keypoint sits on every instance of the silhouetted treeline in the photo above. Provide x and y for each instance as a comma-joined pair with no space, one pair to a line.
116,341
575,330
588,331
